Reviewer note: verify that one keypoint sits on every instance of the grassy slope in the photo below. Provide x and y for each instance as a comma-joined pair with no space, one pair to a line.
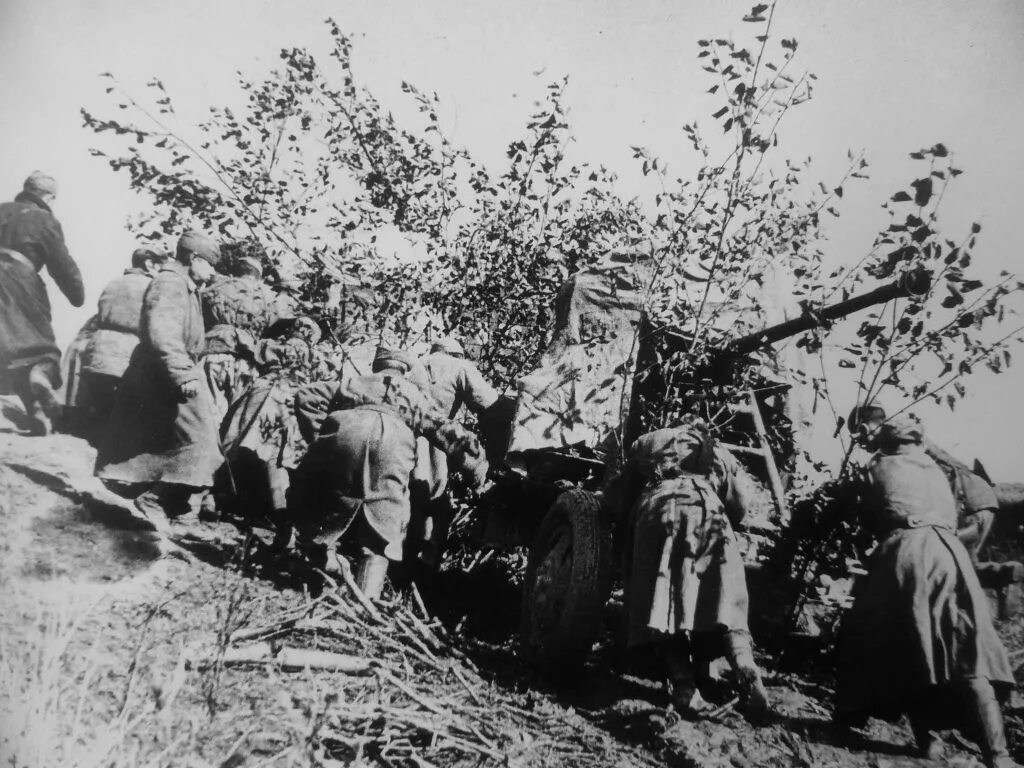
97,630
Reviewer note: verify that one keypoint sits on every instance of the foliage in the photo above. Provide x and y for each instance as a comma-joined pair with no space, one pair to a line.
327,179
382,225
924,348
744,226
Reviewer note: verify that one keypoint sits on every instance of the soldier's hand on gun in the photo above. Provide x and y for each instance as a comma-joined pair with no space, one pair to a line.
188,390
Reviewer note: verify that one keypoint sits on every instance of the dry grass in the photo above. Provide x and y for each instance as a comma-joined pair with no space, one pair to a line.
46,695
158,683
150,676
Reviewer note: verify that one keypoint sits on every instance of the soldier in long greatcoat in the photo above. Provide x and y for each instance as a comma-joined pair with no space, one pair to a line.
162,437
114,338
919,639
679,495
975,499
354,480
30,239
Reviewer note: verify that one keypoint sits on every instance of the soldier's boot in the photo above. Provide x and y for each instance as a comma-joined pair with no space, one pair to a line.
41,386
371,571
929,744
680,683
1005,579
176,498
209,509
753,696
150,509
39,424
284,534
435,533
984,707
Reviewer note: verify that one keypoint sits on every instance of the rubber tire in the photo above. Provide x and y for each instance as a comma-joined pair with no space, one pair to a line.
577,523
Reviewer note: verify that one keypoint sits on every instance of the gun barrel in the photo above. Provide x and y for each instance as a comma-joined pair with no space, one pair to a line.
914,283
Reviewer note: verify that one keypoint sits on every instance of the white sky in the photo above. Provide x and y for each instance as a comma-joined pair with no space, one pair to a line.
893,77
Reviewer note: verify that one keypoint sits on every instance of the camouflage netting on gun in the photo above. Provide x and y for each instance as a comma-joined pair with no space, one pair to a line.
580,393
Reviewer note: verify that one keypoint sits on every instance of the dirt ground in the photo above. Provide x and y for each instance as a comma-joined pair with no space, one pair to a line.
102,622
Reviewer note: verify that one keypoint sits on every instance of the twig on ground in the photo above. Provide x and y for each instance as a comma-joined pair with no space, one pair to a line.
170,691
158,758
331,629
718,712
427,634
233,750
414,638
817,708
263,632
417,600
361,598
465,684
426,704
289,659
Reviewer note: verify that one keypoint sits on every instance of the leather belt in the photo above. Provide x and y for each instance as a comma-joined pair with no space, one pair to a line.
388,410
915,521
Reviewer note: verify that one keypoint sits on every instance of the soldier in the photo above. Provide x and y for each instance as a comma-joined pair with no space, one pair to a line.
678,496
354,479
72,421
114,338
30,239
975,498
453,382
260,434
919,639
162,433
237,309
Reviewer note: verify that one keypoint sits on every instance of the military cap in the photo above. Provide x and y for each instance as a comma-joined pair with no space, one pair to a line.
39,183
391,358
450,345
196,243
901,429
145,253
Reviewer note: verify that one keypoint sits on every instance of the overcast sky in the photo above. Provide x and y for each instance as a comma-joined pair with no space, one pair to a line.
893,77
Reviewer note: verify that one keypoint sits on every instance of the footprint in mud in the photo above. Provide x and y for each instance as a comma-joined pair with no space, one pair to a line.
90,541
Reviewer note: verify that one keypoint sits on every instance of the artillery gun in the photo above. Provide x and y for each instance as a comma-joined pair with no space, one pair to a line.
563,434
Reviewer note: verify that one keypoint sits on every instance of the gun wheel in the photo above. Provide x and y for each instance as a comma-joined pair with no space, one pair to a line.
568,579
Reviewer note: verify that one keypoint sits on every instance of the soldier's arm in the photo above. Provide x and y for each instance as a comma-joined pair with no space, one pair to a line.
740,492
164,312
312,404
461,446
476,392
59,264
456,441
